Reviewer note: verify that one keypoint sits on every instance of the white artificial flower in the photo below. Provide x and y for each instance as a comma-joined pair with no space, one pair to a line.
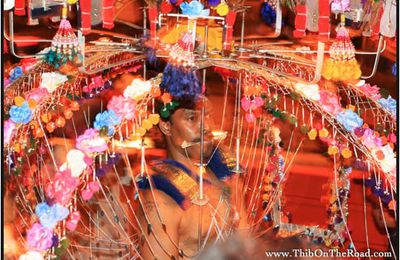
75,162
31,255
388,163
137,89
360,83
310,91
52,80
276,132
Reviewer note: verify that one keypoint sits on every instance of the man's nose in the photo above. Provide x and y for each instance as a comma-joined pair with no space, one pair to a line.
208,124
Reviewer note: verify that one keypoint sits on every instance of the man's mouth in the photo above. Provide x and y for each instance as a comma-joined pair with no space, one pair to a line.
207,141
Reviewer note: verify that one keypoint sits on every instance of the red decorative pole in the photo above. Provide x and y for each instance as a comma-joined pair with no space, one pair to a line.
86,22
230,21
108,14
324,27
153,13
300,21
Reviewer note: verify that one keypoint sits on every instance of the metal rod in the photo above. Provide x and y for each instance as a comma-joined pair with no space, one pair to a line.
205,41
202,138
242,31
11,28
144,22
378,54
193,17
238,125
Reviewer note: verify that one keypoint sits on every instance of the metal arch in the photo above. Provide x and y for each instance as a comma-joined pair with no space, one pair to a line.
12,41
377,56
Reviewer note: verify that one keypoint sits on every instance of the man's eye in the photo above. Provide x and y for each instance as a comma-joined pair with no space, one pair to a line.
192,118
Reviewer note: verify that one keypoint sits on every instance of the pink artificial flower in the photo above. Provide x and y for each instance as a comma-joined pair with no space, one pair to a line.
329,102
62,187
9,130
124,107
73,220
90,190
39,237
6,82
91,142
37,94
370,140
338,6
371,91
28,63
392,138
251,104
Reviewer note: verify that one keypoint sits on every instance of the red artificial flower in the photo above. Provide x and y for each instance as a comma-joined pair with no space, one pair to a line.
166,7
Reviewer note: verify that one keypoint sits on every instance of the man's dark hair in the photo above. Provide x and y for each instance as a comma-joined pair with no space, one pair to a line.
183,103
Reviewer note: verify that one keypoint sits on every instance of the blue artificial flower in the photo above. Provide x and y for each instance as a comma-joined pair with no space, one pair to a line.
389,103
50,215
181,83
15,73
21,114
268,13
107,119
349,120
394,69
213,2
194,8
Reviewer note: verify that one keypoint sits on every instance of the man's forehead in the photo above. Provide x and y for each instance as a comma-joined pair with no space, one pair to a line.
197,108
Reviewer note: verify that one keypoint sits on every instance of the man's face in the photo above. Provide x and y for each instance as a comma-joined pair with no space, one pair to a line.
185,126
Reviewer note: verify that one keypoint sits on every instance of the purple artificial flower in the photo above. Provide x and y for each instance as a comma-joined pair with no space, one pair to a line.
39,237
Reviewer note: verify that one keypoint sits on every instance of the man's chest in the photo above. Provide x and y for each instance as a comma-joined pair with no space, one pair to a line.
202,222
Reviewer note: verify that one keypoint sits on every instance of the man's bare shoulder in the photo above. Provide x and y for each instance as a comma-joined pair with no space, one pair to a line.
153,199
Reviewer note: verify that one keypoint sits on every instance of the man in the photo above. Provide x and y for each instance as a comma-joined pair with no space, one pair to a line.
178,223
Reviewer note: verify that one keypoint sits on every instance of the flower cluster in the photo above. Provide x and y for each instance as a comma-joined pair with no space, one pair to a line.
91,142
123,107
15,73
39,237
108,119
76,162
37,94
329,102
21,114
389,103
50,215
222,9
370,91
349,119
52,80
310,91
268,13
340,6
9,130
386,158
62,187
252,106
137,89
368,138
90,190
194,8
73,220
